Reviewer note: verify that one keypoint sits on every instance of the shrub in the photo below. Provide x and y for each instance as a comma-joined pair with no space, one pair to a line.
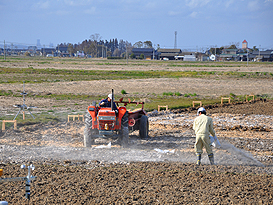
115,57
168,93
232,95
177,93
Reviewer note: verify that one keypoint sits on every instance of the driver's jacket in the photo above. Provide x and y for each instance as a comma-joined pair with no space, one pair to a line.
108,104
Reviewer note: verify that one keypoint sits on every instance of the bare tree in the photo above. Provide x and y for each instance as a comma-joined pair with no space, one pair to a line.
95,37
234,45
116,52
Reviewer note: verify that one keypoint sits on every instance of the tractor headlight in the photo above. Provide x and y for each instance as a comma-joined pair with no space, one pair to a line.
106,126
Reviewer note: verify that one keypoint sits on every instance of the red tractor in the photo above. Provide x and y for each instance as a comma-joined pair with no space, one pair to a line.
107,122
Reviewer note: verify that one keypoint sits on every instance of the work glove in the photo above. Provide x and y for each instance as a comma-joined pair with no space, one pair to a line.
102,103
116,112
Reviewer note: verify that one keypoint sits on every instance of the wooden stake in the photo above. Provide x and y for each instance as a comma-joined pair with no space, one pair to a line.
166,106
193,103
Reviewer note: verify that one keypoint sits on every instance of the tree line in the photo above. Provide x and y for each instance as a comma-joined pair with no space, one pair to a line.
96,47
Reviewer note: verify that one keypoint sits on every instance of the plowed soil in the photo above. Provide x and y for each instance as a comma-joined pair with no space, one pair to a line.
140,183
67,173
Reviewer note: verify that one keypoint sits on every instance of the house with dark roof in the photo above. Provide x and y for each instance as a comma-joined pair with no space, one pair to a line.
168,53
45,51
149,53
262,55
62,49
229,54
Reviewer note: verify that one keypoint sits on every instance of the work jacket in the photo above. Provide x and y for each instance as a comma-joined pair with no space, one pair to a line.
108,104
203,125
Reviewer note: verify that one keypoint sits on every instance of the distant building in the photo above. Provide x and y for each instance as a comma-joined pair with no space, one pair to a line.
244,44
261,55
229,54
149,53
189,58
168,53
45,51
32,48
62,50
38,43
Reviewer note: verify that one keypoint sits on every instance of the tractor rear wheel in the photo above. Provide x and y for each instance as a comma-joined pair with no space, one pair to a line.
125,137
124,133
143,127
88,139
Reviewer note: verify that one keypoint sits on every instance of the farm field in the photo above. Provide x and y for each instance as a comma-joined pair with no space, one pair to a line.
157,170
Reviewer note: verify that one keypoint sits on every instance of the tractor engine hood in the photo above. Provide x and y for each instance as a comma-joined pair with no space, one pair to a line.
107,121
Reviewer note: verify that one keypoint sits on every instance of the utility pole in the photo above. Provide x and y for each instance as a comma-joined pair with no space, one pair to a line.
215,52
11,47
153,53
259,52
175,40
126,55
4,50
247,57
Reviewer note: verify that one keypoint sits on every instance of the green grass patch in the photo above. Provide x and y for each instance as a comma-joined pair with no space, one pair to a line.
177,103
123,92
168,93
40,118
31,75
173,102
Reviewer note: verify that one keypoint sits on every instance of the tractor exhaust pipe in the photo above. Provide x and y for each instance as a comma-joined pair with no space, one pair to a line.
112,100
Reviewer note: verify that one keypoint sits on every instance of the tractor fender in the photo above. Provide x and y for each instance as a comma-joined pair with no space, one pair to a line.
93,112
121,113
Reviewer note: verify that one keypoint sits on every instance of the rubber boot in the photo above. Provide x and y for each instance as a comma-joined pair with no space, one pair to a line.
211,159
198,159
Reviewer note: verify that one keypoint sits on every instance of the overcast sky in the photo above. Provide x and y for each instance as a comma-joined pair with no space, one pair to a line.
199,23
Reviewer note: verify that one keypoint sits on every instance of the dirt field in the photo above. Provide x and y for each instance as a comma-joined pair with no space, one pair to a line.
67,173
157,170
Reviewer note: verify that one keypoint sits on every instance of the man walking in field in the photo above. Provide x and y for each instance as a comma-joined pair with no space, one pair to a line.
203,126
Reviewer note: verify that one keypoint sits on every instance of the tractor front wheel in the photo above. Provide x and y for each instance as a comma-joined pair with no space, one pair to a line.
144,127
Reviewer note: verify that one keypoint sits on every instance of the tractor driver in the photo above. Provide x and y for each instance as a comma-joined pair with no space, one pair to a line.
107,102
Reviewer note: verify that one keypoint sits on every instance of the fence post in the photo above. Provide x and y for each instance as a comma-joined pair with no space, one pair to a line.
193,103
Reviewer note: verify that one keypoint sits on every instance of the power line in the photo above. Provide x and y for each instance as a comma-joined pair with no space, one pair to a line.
21,44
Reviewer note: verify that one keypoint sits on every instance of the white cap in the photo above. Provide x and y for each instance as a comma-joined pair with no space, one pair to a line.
201,109
110,96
